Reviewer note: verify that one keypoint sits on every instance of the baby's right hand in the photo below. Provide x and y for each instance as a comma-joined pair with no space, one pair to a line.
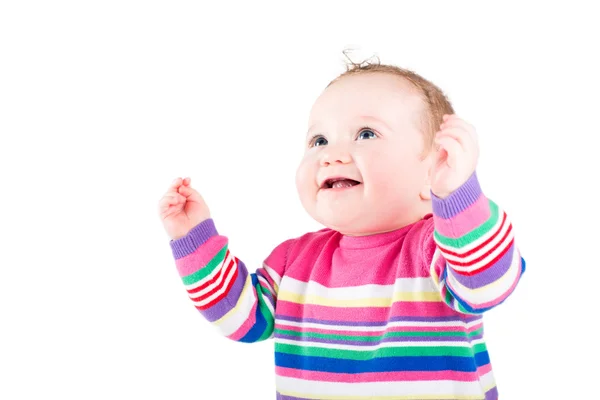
182,208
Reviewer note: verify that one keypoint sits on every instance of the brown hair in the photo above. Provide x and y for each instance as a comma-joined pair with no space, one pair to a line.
436,102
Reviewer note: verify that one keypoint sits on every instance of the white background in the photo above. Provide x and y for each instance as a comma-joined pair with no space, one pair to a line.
102,104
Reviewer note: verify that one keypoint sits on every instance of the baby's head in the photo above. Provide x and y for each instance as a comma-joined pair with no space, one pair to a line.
370,148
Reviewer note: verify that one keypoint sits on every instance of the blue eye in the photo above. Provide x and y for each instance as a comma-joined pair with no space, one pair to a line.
366,134
318,141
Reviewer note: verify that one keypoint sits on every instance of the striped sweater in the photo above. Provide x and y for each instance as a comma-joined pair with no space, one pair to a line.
395,315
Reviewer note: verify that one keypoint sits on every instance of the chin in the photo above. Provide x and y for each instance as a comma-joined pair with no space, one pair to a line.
345,223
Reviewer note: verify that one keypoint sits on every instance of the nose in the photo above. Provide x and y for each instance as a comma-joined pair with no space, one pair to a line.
335,155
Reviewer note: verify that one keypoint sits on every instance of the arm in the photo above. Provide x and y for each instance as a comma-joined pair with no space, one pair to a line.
239,304
470,250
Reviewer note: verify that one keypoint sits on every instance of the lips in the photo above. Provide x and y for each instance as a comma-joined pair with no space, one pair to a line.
339,182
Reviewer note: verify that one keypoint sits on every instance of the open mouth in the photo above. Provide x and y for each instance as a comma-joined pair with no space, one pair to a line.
339,183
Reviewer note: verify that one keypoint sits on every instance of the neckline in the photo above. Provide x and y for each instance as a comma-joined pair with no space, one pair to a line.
377,239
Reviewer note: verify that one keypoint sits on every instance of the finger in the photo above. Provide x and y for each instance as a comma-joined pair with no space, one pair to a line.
458,122
452,148
173,188
189,193
187,181
169,206
457,134
170,200
174,185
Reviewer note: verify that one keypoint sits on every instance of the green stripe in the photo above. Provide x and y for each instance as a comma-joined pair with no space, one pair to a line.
474,234
379,353
462,309
266,312
377,338
449,298
207,269
480,348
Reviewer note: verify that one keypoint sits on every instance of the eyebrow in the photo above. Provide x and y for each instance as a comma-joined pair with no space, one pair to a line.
376,120
361,118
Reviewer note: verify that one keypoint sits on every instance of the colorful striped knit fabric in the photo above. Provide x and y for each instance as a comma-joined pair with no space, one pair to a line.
395,315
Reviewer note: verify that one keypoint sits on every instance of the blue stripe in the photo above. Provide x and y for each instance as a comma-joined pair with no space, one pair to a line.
384,364
467,306
482,358
462,318
261,324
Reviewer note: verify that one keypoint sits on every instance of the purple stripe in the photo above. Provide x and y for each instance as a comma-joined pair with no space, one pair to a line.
469,318
493,273
492,394
282,397
459,200
195,238
265,290
228,302
374,343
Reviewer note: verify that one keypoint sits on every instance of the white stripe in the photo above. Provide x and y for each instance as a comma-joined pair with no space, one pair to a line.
218,282
401,285
394,324
481,251
267,302
274,275
267,284
489,292
209,276
354,347
231,322
294,386
219,292
479,241
266,298
435,277
488,259
487,380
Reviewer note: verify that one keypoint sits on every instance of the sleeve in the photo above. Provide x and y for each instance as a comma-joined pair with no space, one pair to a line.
470,250
241,305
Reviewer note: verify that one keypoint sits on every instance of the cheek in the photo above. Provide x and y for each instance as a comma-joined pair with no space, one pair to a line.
305,176
390,172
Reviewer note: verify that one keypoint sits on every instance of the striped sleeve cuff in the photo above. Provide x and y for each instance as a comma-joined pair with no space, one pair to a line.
458,201
195,238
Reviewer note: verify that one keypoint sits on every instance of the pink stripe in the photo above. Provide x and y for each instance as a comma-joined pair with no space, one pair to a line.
380,331
266,288
378,376
466,221
246,326
368,314
221,277
484,369
201,257
495,301
266,276
475,327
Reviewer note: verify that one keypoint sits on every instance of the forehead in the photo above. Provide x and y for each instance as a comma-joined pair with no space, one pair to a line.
383,96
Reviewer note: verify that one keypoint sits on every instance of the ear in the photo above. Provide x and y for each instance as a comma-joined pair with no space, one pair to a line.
425,193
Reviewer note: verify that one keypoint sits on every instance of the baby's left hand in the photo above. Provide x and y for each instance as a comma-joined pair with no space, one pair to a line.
457,158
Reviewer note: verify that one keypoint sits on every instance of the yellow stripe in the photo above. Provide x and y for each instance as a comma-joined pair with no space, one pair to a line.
407,397
371,302
433,273
234,310
501,281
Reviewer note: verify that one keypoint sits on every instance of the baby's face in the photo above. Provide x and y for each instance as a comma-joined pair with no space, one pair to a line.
365,133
